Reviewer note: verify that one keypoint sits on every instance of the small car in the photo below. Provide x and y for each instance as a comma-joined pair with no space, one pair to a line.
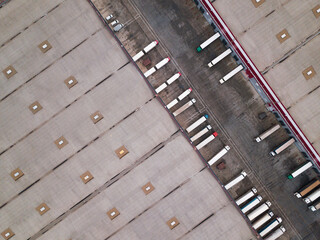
109,17
114,22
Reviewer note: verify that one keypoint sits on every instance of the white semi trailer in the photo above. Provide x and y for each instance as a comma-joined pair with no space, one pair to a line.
180,97
245,197
168,82
300,170
157,67
219,155
264,231
147,49
208,42
219,58
231,74
207,140
259,210
184,94
312,197
238,179
254,202
197,123
276,234
265,218
267,133
282,147
201,133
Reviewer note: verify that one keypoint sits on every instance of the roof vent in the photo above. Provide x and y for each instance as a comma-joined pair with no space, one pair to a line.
16,174
113,213
45,46
9,71
283,35
309,73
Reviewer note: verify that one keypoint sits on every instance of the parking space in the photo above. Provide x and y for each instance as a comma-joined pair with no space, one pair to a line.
118,142
233,110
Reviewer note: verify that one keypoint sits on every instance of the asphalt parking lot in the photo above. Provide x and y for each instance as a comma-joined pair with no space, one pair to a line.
73,172
233,107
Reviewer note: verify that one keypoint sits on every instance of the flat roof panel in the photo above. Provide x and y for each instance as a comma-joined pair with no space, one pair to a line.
199,188
104,58
260,39
311,127
303,113
219,226
244,14
99,159
185,205
20,17
75,125
286,78
306,113
64,28
126,194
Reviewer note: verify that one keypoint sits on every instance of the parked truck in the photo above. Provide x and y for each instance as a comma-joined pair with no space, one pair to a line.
265,218
273,224
254,202
157,67
168,82
267,133
208,42
315,206
312,197
184,94
276,234
300,170
162,63
180,97
197,123
259,210
207,140
219,155
307,189
245,197
282,147
201,133
238,179
219,58
231,74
